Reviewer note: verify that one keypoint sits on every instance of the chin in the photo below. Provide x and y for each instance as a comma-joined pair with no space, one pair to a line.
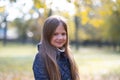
59,46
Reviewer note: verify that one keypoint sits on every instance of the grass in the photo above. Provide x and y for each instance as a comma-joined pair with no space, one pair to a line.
16,61
94,63
98,63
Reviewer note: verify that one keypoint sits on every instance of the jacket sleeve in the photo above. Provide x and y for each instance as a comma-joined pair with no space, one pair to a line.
39,68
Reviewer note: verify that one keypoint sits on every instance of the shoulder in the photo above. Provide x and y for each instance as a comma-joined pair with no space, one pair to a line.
39,69
38,55
38,62
38,58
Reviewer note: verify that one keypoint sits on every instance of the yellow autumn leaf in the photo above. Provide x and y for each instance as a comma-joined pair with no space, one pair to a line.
96,22
103,13
83,13
2,9
39,4
84,17
83,35
84,20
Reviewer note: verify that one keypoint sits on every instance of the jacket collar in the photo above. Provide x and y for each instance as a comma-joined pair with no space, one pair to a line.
61,50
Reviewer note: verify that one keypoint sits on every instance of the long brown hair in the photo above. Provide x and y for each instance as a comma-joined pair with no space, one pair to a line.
49,52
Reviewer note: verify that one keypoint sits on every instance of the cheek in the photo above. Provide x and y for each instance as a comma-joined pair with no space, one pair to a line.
52,40
65,37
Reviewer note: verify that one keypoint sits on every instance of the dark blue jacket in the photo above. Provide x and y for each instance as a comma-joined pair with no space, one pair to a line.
40,72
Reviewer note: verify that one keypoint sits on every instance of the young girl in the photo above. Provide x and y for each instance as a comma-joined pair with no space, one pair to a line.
53,60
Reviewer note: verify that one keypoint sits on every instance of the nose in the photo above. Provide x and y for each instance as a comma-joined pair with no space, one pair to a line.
60,37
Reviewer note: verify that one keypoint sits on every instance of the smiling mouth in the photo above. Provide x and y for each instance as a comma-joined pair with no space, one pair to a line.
59,42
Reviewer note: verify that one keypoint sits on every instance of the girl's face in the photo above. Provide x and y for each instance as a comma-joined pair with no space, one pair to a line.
59,37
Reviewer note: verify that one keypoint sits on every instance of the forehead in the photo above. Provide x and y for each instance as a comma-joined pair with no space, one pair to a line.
60,28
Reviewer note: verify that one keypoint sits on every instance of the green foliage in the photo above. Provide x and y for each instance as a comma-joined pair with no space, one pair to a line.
22,28
115,26
112,26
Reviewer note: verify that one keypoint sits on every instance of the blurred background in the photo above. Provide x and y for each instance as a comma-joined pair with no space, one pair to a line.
94,33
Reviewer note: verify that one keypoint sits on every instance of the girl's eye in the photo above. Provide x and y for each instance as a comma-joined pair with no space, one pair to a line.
55,34
63,34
